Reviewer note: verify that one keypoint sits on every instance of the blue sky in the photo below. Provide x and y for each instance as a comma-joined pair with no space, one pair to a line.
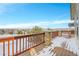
50,15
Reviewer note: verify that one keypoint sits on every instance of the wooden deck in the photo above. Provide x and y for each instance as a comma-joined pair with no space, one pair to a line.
58,51
26,42
36,52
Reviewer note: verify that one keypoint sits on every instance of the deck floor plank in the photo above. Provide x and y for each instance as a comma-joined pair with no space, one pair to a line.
63,52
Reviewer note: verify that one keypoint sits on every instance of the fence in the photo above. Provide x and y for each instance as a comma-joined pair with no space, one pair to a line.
20,44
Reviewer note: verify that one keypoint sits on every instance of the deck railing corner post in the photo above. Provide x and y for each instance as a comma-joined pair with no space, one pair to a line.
48,38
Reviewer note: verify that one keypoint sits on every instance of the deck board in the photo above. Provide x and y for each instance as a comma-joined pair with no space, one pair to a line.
37,49
63,52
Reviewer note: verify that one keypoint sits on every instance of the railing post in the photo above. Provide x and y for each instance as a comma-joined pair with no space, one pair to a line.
60,33
69,32
48,37
44,37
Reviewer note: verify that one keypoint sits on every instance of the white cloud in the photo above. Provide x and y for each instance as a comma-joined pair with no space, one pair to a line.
41,24
62,21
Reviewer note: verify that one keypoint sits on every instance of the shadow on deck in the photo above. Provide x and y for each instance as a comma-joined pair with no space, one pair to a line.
57,51
33,51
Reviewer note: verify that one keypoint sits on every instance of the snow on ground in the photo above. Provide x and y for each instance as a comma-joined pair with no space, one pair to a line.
67,43
46,51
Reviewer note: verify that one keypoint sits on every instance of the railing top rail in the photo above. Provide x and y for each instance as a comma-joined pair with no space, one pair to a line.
17,37
22,36
6,39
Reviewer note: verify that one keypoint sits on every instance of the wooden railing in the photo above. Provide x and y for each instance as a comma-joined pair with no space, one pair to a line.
56,33
70,33
19,44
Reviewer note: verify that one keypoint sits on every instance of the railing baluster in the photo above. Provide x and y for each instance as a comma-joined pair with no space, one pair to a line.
16,46
29,41
38,39
32,41
35,40
20,45
44,37
8,47
13,47
41,38
23,44
26,43
3,48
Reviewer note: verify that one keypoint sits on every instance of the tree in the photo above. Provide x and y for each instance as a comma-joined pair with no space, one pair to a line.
2,31
36,29
19,31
